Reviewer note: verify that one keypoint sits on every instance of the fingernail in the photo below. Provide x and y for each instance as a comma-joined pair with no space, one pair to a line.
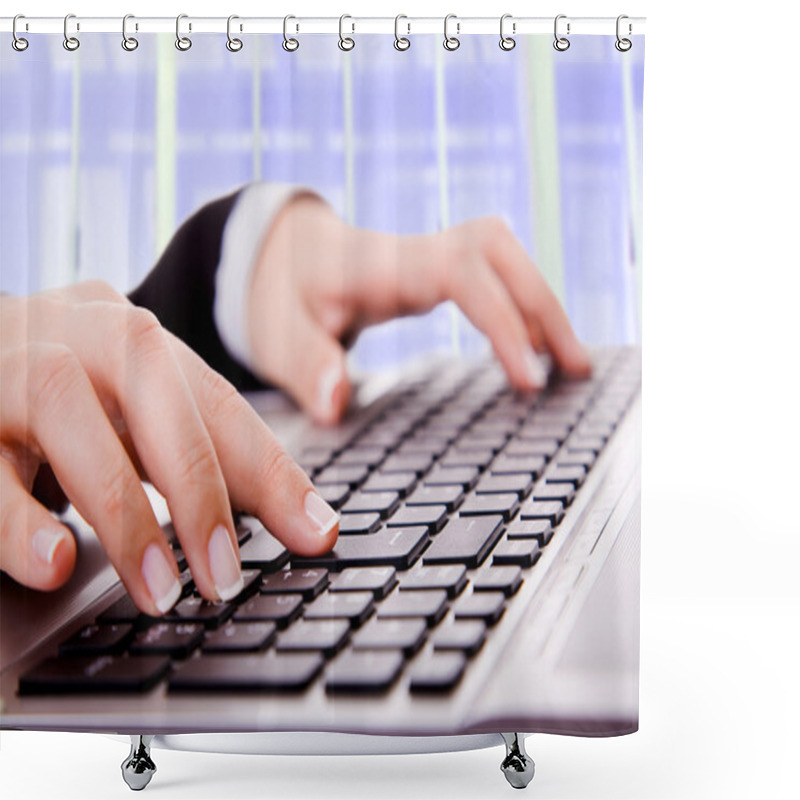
537,376
224,564
328,382
320,513
45,543
161,582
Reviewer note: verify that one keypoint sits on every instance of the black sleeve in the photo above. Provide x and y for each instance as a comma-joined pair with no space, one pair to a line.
180,289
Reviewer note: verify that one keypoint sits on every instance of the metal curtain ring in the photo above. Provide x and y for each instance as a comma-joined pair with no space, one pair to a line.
234,45
451,42
18,43
506,42
182,42
400,42
623,45
289,44
345,42
128,42
70,43
561,43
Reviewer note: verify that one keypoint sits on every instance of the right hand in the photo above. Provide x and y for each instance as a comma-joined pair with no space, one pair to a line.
96,390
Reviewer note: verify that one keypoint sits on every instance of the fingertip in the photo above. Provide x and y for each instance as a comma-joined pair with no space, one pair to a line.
55,553
323,529
333,394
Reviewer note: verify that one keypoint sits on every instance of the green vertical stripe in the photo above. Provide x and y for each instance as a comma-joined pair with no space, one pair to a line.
545,178
166,126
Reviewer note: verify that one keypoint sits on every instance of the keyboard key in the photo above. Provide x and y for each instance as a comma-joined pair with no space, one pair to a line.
124,610
593,443
553,511
391,547
478,439
466,636
307,582
575,458
562,492
505,579
334,494
378,580
438,672
466,477
574,475
509,465
407,462
359,524
369,456
326,636
270,671
278,608
263,551
519,483
448,496
429,605
407,635
536,429
91,675
485,606
382,503
432,517
196,609
363,672
95,640
465,541
400,482
523,553
240,637
450,577
478,505
351,474
539,529
546,448
355,607
467,458
168,639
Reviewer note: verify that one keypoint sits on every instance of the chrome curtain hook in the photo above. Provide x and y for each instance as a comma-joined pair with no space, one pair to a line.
234,45
182,42
401,42
289,44
506,42
345,42
70,43
561,43
451,42
623,45
128,42
18,43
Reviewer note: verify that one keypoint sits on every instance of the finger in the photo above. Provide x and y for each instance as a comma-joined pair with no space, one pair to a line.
262,478
134,364
51,408
309,364
37,550
530,291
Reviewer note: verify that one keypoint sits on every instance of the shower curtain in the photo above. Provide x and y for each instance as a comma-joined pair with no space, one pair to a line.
107,150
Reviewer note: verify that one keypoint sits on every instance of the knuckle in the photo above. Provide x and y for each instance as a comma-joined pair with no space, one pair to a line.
54,377
273,469
218,398
143,332
116,487
198,463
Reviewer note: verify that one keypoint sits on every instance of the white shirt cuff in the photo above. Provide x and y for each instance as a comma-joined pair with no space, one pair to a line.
245,230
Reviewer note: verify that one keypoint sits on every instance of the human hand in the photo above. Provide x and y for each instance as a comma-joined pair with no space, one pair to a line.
97,390
319,281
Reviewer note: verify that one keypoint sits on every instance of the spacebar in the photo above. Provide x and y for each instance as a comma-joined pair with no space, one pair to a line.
392,547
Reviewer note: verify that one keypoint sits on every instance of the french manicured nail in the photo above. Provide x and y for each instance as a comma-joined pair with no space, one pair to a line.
45,543
160,579
224,564
320,513
328,382
537,376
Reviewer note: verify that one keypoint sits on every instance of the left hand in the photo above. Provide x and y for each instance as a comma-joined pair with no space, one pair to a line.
318,282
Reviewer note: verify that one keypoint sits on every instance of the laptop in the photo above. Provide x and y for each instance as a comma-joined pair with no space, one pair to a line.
486,580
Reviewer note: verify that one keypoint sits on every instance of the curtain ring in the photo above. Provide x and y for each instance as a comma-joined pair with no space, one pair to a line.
70,43
506,42
18,43
345,42
183,43
623,45
401,42
128,42
451,42
234,45
561,43
289,44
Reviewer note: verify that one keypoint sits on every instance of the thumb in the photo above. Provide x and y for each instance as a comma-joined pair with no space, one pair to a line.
313,370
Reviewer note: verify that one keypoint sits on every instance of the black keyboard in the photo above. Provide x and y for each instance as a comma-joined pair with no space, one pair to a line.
447,499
